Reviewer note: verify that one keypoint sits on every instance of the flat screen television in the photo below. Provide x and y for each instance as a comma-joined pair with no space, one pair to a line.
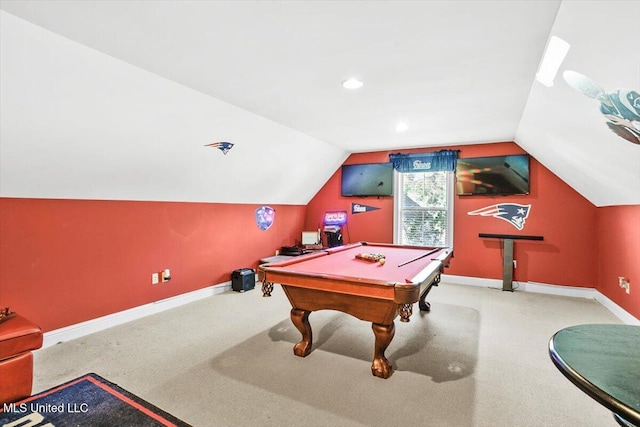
368,179
493,176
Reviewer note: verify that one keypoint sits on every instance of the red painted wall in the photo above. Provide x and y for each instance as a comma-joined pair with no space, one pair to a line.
562,216
374,226
618,229
68,261
565,219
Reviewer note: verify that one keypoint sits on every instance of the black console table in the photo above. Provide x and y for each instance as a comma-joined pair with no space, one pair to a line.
507,262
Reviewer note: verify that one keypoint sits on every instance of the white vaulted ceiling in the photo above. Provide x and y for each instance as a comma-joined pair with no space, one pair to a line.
457,72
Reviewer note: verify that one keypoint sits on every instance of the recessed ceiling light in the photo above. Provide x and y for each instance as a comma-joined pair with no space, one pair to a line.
401,127
352,84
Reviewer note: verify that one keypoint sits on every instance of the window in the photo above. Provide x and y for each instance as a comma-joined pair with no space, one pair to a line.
424,208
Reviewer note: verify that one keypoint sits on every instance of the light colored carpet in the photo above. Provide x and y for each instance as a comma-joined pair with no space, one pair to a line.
479,358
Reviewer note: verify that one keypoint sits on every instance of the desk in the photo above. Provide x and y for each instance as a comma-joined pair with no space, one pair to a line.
602,360
334,279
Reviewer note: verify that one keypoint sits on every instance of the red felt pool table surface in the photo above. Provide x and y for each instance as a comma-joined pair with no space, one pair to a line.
342,261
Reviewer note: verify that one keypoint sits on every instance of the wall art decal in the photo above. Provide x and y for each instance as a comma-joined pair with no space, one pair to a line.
620,107
514,213
358,208
222,146
264,217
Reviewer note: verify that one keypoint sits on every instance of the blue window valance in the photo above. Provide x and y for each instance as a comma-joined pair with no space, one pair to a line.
443,160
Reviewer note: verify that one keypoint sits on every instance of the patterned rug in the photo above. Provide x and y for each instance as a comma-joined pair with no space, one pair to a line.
89,401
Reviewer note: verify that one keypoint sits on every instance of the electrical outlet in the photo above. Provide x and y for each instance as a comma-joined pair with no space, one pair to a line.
155,279
515,264
624,283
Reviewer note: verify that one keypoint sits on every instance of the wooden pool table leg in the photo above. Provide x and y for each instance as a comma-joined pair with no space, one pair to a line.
422,304
381,367
300,319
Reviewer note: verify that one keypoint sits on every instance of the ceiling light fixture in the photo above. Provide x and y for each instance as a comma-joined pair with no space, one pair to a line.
352,84
401,127
553,57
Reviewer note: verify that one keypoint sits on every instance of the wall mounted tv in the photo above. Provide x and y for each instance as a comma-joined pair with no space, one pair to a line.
369,179
493,176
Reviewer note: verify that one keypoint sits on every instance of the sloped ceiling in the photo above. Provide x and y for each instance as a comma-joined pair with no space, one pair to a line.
456,72
565,129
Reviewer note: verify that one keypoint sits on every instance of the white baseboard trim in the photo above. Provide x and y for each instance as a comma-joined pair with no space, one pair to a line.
94,325
543,288
566,291
471,281
621,313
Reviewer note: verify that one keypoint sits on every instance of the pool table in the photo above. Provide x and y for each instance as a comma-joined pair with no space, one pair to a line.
374,291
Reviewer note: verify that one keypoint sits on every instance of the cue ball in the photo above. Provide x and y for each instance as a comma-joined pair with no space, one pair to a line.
382,261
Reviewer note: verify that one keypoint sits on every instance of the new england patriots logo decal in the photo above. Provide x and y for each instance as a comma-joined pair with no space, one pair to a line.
514,213
222,146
